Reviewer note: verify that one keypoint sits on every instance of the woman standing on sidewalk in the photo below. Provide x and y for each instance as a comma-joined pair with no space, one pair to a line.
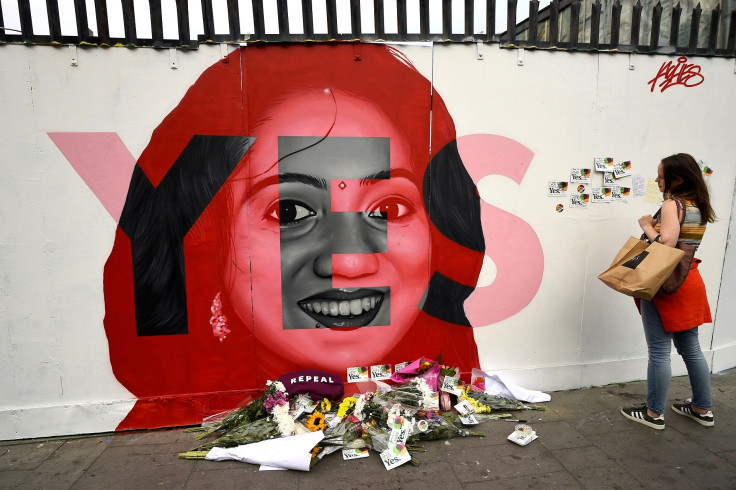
676,317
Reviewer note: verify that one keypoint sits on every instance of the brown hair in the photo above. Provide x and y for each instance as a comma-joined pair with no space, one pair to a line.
684,178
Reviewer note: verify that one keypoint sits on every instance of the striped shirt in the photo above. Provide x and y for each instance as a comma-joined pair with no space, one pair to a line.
691,231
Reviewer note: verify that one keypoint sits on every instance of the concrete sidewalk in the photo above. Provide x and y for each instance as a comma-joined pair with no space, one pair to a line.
584,442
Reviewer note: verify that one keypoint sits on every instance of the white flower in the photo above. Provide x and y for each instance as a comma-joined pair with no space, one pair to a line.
423,386
429,397
283,419
394,412
359,406
279,386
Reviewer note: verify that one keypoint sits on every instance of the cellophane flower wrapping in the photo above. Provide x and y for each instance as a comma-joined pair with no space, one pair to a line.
413,395
446,399
486,403
438,426
274,394
422,368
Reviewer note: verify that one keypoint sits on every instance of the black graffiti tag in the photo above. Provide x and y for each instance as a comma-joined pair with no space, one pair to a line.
682,73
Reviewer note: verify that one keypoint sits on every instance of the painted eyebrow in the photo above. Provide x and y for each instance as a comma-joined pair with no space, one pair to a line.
386,174
302,179
288,178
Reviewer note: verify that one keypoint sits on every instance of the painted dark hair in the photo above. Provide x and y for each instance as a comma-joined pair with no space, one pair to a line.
684,178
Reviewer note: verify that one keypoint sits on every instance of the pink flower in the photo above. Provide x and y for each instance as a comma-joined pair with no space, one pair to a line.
275,400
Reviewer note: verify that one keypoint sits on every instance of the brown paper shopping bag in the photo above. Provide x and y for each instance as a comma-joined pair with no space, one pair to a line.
640,268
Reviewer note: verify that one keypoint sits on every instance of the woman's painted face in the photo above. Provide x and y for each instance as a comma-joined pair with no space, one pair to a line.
335,237
660,177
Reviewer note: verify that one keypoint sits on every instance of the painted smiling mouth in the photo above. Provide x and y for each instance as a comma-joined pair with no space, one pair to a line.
343,308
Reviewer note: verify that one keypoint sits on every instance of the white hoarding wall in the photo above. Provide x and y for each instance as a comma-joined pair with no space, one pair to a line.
565,108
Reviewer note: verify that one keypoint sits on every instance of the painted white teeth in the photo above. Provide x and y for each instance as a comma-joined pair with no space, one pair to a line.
343,308
356,307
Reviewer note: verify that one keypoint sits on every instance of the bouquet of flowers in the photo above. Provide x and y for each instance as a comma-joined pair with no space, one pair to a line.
274,394
432,426
264,418
249,433
422,368
414,394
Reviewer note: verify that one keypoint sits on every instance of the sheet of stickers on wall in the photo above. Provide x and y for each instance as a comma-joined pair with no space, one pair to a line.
607,181
378,372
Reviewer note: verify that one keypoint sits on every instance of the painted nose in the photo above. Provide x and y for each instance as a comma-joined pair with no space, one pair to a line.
346,265
351,248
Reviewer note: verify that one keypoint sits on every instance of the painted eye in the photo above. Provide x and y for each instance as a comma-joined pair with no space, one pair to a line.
392,208
289,212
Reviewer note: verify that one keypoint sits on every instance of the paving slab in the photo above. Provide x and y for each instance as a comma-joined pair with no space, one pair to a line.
143,466
607,478
554,480
499,462
580,458
245,476
433,475
27,456
67,464
14,478
668,457
559,435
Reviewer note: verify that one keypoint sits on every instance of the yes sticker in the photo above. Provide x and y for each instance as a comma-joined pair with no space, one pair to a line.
359,373
381,371
395,456
622,169
580,175
603,164
580,201
357,453
556,188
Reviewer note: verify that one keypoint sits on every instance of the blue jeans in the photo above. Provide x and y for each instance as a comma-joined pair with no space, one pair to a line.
659,372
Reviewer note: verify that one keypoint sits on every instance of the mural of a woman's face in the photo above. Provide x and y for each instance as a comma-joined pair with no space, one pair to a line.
330,247
291,230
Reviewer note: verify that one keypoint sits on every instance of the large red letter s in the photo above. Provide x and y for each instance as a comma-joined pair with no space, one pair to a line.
511,243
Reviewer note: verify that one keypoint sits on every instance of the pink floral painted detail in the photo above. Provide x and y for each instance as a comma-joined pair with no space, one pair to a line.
218,321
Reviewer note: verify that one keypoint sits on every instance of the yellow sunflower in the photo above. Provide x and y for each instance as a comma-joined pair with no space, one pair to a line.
316,422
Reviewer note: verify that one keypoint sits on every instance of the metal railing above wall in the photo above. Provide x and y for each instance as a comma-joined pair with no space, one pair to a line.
694,34
541,30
